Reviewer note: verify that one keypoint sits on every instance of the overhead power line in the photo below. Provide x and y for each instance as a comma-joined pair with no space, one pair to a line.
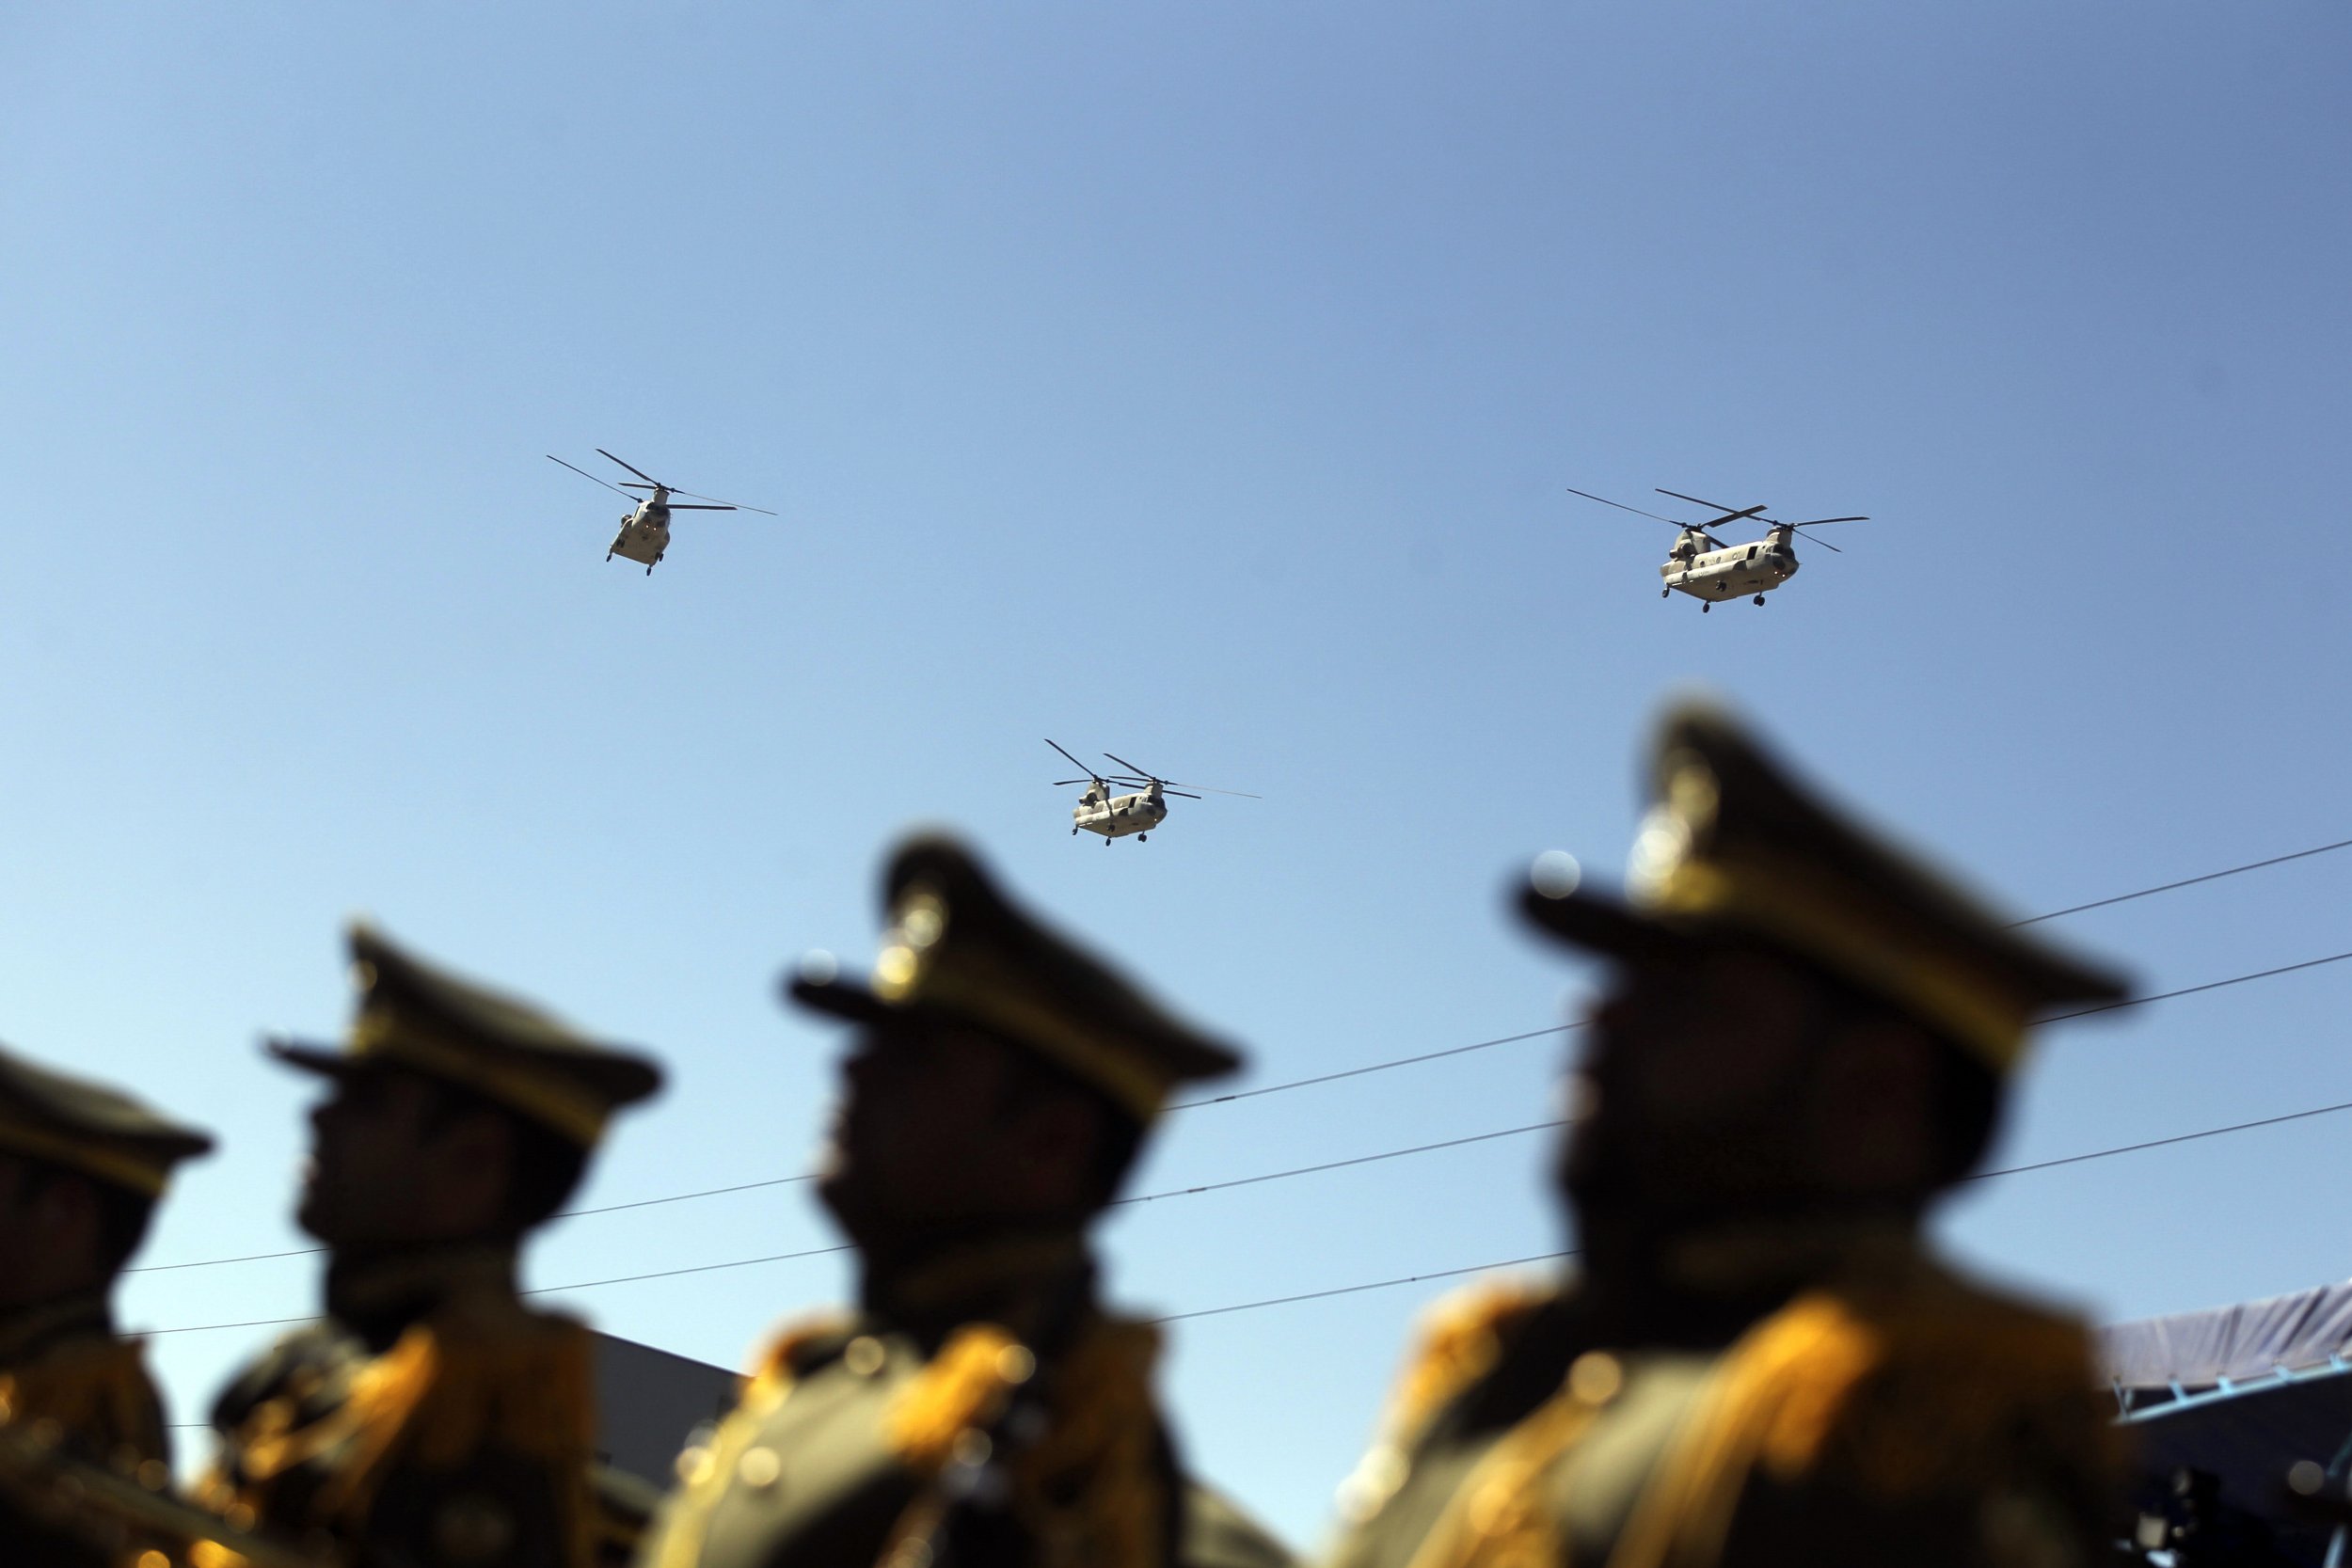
1271,1088
1339,1165
1376,1067
2186,881
1371,1285
2192,991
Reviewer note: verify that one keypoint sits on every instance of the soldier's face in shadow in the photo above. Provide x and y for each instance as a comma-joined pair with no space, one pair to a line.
49,1233
389,1164
1688,1100
1734,1081
938,1127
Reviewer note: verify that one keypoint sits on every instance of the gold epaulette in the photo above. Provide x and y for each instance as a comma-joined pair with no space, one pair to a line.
97,1391
447,1391
784,1359
1091,1487
1460,1339
1902,1397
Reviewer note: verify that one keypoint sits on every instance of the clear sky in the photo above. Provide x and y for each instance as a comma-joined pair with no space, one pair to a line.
1198,381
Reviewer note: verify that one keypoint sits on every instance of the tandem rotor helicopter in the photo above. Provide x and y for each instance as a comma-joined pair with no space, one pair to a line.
1707,569
644,534
1144,808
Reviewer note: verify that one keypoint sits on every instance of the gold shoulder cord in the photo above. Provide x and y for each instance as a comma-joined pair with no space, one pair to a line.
1797,1385
437,1398
1773,1399
100,1391
1497,1518
704,1473
1089,1490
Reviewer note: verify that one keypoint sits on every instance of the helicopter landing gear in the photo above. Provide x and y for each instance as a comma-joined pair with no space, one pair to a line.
1107,844
649,571
1140,837
1760,599
608,555
1662,593
1706,605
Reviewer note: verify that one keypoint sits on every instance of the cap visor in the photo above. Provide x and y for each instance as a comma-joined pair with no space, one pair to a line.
1604,926
839,998
307,1058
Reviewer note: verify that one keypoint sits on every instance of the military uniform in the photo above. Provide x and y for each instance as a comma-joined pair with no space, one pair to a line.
1804,1388
73,1390
431,1419
981,1404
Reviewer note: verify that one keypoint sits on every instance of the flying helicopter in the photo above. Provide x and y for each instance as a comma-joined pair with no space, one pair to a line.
644,534
1144,808
1707,569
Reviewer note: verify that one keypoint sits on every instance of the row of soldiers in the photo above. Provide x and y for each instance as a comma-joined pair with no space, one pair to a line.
1808,1040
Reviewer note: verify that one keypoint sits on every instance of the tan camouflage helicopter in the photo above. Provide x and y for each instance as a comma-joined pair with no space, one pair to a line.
644,534
1144,808
1707,569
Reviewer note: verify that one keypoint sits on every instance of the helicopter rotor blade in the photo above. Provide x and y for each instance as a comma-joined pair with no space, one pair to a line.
1676,494
1169,787
635,469
1134,770
1165,784
1823,543
675,506
1123,783
1073,761
1621,506
585,474
731,506
1063,784
1730,515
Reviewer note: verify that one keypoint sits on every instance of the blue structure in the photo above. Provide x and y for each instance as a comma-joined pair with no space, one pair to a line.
2242,1394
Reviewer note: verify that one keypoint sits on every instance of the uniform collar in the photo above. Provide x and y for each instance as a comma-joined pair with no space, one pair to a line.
27,1332
1008,1278
1709,1286
378,1296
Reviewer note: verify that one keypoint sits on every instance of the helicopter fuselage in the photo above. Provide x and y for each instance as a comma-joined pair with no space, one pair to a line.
1730,572
645,533
1116,816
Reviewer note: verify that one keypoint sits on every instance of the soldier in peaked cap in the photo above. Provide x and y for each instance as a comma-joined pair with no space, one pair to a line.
1807,1042
430,1419
978,1407
82,1167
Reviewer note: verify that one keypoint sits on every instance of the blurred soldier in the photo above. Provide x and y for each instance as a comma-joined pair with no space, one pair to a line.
1807,1042
432,1420
81,1169
979,1408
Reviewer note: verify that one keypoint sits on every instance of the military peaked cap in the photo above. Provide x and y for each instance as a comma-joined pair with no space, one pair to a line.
87,1126
417,1016
958,950
1734,845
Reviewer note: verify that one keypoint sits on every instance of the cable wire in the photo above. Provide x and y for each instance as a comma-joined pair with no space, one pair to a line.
1352,1290
1364,1160
2186,881
1275,1088
2192,991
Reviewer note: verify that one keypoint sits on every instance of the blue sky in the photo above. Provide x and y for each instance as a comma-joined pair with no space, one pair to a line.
1200,382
